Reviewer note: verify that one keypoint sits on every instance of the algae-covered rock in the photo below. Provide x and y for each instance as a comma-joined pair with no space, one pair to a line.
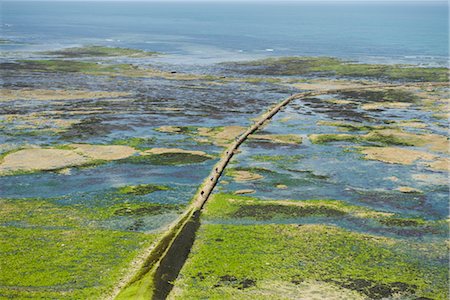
141,189
383,136
434,142
339,137
170,156
292,139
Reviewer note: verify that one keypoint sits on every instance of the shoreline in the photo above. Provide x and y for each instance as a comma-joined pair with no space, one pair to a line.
192,214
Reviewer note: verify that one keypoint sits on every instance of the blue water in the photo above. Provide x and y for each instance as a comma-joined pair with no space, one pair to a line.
411,32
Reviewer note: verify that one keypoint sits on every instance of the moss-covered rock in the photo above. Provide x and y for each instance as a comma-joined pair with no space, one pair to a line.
169,158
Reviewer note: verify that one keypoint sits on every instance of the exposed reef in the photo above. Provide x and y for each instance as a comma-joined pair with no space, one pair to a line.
326,66
99,51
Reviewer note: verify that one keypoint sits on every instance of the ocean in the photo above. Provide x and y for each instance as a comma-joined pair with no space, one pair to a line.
386,32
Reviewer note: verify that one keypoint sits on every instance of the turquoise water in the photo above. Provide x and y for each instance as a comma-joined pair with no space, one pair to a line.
412,32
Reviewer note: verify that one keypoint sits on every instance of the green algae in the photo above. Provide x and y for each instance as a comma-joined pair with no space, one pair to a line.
393,137
333,137
231,206
292,139
64,264
99,51
328,66
382,137
273,211
402,222
52,251
142,189
31,133
373,266
147,209
234,206
168,159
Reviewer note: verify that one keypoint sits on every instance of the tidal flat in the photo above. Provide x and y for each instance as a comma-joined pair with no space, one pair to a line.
102,149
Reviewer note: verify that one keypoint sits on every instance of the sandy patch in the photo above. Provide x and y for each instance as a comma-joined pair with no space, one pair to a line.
436,142
28,160
221,136
384,105
47,159
281,186
174,150
339,101
104,152
47,95
411,124
240,175
395,155
242,192
439,164
408,189
278,138
169,129
326,85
